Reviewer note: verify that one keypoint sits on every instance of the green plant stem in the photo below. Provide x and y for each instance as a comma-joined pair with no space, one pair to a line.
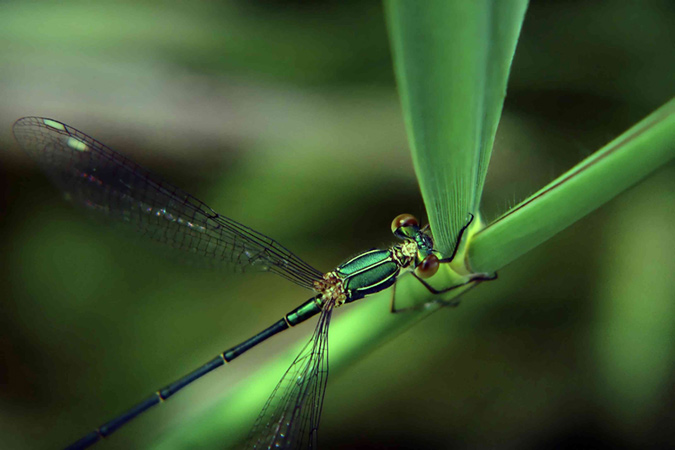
626,160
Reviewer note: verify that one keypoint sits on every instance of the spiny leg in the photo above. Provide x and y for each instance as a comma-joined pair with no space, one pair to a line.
458,241
421,306
475,278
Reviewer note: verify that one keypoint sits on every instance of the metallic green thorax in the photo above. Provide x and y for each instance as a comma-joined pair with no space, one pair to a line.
425,245
368,273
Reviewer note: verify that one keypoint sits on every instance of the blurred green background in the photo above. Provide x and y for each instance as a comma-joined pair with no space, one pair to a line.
284,115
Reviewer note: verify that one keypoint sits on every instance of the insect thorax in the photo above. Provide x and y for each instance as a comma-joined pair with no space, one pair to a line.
405,254
332,289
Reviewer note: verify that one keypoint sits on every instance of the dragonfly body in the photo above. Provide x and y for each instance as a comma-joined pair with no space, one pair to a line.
374,271
109,184
365,274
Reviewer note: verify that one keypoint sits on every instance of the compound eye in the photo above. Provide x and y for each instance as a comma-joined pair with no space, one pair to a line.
428,267
403,221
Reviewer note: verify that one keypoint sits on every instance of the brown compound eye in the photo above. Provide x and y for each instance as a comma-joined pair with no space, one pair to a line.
403,221
428,267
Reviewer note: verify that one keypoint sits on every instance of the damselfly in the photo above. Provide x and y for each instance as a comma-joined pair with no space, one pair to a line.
102,180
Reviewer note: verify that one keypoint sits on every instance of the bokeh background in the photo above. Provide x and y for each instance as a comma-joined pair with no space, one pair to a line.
284,115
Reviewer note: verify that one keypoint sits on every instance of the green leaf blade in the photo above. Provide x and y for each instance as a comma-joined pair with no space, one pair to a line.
452,61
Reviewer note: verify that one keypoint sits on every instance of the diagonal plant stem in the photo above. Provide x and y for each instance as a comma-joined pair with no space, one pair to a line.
625,161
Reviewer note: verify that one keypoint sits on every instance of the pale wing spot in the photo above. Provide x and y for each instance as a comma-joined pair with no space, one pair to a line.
76,144
54,124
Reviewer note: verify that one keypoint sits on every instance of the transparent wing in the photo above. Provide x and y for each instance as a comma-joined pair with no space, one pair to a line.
290,418
102,180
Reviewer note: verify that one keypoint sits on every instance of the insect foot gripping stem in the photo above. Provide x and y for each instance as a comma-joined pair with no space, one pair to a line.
455,269
458,262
